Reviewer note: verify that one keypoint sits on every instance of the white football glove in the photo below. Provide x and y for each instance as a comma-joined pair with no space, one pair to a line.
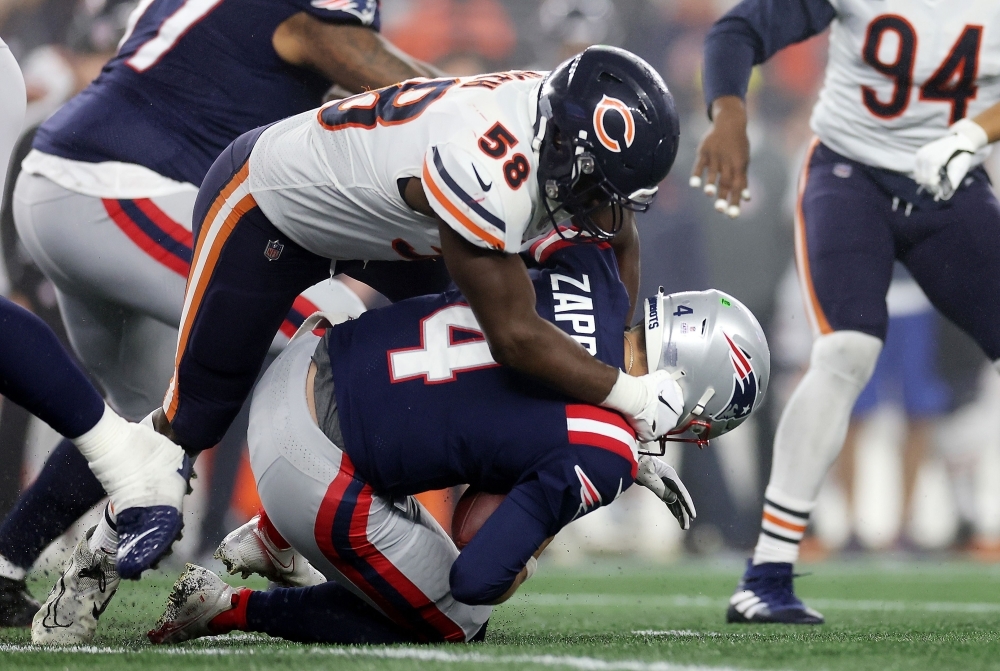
651,403
941,165
661,479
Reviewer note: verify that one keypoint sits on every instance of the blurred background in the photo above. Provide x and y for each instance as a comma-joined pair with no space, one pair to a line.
921,472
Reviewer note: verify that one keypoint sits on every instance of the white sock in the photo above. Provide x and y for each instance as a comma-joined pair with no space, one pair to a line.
810,435
782,528
9,569
105,536
103,438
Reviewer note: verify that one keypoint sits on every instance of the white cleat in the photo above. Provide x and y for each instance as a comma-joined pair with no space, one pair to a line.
196,599
249,550
70,613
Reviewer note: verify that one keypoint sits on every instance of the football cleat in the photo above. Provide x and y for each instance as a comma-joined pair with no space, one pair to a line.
250,549
196,599
146,534
17,606
765,595
70,613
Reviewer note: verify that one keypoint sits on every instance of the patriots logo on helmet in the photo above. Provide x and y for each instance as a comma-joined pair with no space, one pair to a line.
363,9
744,384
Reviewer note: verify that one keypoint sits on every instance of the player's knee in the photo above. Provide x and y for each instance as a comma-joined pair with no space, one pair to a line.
850,355
468,586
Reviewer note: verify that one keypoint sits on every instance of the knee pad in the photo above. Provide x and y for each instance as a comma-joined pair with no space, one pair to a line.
850,355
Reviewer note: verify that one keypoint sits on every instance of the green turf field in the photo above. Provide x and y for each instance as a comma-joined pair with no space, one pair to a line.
881,616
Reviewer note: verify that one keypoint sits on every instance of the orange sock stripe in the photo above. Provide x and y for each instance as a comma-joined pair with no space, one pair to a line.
797,528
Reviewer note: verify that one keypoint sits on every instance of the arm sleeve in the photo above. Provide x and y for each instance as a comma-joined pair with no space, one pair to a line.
557,494
750,33
357,12
487,566
467,195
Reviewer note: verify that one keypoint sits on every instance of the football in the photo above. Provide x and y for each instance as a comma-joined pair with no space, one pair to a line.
471,513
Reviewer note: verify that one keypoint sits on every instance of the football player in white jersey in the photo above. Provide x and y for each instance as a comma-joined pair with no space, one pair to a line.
904,120
470,169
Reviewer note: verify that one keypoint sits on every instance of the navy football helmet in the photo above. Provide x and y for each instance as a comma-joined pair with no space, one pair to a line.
607,132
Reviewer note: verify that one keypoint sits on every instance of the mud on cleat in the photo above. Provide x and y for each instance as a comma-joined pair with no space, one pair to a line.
146,534
70,613
198,597
17,606
765,595
256,547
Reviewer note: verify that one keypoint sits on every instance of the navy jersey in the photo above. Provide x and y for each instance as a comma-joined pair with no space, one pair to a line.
191,76
423,406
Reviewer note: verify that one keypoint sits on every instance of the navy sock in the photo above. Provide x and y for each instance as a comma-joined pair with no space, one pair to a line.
41,377
63,491
327,613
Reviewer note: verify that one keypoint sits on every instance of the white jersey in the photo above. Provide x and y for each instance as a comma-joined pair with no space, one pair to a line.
329,178
901,71
12,105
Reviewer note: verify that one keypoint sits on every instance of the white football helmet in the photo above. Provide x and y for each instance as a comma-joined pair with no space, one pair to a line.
716,350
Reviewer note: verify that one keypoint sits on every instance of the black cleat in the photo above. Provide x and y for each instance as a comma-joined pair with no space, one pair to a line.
17,607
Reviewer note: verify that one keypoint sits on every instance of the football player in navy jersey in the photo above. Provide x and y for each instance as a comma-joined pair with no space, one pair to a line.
104,205
347,427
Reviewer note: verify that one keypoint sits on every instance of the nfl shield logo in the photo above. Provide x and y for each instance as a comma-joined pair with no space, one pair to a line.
273,250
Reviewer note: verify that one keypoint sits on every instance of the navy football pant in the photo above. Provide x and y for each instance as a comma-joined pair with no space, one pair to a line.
245,275
849,230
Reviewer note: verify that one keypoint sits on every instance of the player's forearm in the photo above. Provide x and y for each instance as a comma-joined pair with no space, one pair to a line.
496,561
750,33
355,58
540,349
989,120
502,297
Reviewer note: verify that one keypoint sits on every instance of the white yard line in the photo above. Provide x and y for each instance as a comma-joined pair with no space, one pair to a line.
408,654
683,601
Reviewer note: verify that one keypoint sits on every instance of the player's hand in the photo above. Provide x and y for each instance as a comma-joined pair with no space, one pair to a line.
664,401
723,156
941,165
660,478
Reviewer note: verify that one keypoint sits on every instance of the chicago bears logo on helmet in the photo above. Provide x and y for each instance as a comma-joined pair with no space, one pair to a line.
744,384
600,114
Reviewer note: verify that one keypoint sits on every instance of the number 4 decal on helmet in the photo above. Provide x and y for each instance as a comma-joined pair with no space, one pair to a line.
683,310
451,342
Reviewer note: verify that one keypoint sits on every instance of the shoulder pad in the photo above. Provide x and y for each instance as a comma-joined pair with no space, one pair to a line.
469,194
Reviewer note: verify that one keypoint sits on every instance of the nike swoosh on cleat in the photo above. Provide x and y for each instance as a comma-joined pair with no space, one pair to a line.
53,608
125,549
486,187
104,606
290,566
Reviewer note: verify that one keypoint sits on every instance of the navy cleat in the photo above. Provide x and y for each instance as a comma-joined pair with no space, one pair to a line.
147,534
765,595
17,606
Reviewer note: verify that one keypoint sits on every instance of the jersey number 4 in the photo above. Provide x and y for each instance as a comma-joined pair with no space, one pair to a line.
954,81
450,342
